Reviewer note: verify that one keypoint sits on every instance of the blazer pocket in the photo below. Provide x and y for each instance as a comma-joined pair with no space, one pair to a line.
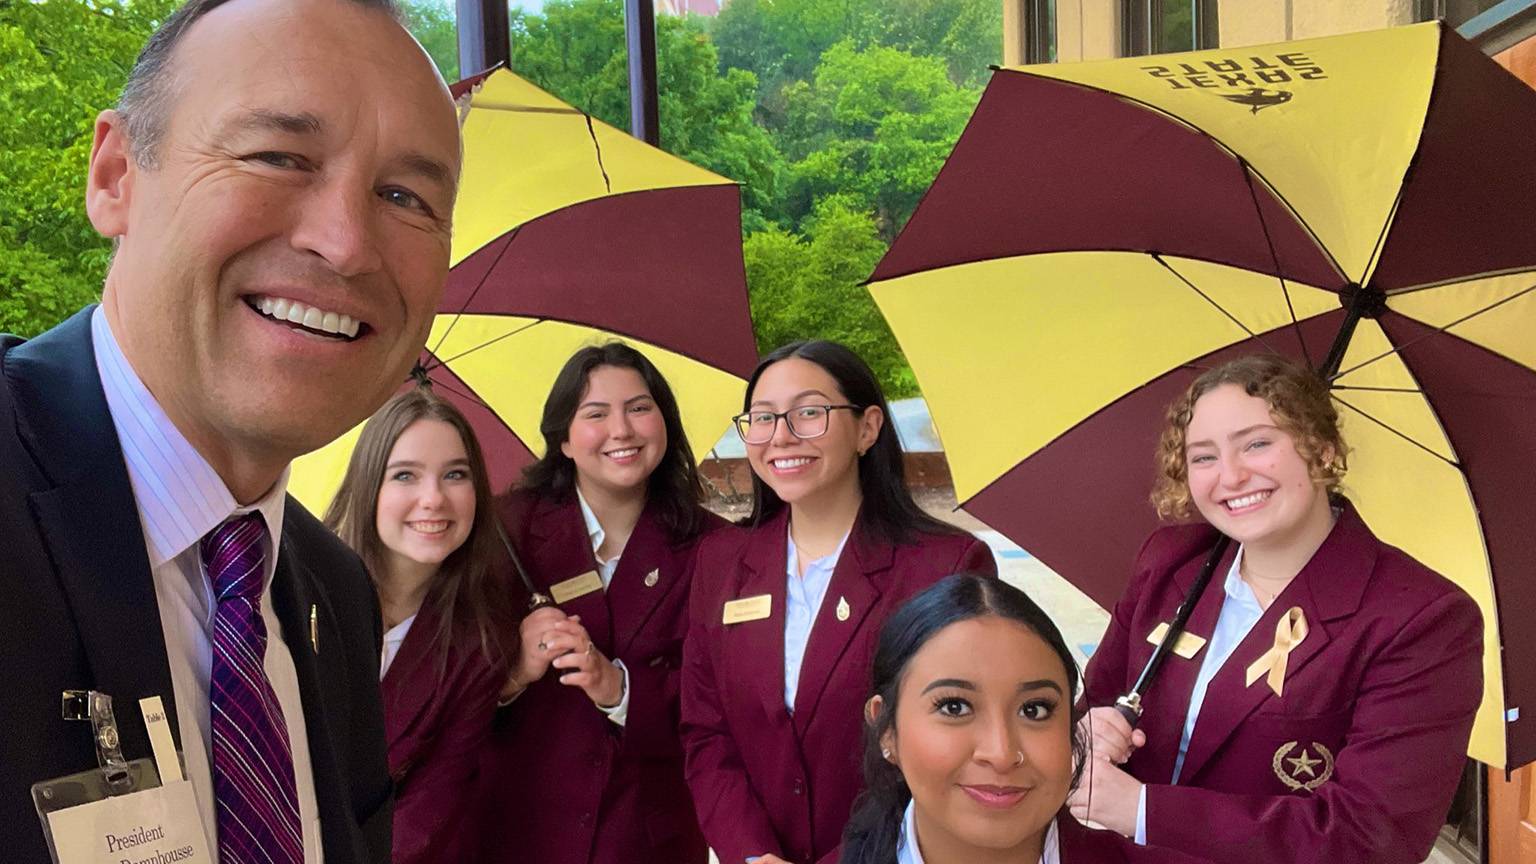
1299,749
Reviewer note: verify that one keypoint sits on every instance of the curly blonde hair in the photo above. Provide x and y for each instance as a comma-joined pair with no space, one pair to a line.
1298,400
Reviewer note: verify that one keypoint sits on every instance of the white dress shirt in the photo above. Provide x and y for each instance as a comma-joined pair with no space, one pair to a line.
394,637
180,498
907,851
605,570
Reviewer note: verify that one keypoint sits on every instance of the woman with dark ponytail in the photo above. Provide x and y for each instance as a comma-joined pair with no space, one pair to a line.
970,740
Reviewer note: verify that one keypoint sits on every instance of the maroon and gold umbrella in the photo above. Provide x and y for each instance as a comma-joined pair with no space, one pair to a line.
1104,231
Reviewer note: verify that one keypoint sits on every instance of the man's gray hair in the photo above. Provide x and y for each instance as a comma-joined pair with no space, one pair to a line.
149,92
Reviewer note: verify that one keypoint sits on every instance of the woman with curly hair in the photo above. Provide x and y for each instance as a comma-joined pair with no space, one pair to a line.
1318,707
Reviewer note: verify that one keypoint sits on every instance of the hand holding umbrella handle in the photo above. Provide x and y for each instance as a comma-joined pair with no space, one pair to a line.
1129,707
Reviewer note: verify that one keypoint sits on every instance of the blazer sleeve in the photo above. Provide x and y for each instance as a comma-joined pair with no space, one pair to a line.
732,817
434,811
1393,779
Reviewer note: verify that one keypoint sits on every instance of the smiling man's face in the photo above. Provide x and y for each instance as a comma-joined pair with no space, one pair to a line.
279,266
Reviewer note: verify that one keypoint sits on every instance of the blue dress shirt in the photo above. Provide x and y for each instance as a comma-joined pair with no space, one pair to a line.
802,601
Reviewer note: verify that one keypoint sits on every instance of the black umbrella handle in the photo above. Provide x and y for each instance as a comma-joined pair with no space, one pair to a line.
536,598
1129,705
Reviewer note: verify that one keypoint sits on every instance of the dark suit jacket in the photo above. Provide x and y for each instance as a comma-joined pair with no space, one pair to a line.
565,784
1382,690
437,730
765,781
78,610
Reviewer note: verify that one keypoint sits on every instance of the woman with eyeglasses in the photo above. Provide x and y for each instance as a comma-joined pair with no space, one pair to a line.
585,766
785,614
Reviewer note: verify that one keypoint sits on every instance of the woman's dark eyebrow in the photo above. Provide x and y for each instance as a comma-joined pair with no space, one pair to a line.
957,683
797,397
1042,684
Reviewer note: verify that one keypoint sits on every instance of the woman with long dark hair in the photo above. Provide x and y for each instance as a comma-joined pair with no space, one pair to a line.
1318,705
416,506
585,765
970,746
785,615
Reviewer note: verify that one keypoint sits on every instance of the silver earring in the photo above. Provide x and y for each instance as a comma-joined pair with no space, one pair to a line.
1020,760
885,752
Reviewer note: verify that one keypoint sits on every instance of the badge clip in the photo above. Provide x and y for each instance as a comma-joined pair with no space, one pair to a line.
96,707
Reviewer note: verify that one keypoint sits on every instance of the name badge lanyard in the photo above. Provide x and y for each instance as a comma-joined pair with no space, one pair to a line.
1129,705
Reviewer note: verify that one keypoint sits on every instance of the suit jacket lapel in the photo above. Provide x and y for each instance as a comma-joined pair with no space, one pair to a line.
852,589
1169,695
632,597
755,649
407,688
560,535
89,522
1329,587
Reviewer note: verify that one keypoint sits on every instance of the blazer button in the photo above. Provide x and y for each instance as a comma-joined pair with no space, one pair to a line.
799,787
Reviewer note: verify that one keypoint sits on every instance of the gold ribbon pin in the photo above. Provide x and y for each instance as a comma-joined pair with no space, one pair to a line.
1290,630
843,609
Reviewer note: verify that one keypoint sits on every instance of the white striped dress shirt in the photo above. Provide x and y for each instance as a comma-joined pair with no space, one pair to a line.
180,498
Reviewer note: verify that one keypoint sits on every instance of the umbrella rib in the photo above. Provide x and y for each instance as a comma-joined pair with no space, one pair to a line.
607,186
1410,440
1274,256
1233,318
522,109
471,298
488,343
1381,239
1379,389
1397,349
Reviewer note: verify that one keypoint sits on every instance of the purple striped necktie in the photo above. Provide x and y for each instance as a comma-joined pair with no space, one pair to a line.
253,784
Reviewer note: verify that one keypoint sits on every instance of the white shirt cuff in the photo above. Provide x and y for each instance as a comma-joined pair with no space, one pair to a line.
620,712
1141,817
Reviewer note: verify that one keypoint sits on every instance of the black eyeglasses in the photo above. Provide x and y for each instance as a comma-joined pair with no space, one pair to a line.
804,422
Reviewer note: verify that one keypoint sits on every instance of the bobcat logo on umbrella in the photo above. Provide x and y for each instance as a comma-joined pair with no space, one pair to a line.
1257,98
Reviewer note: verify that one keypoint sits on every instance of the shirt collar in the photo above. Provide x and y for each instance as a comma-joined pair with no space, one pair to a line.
1235,587
179,496
595,532
791,554
907,851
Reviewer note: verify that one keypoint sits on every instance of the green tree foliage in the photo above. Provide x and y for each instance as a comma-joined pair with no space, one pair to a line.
432,23
808,286
875,125
575,49
61,62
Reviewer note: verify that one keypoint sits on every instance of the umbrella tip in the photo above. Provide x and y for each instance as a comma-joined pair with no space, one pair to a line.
419,375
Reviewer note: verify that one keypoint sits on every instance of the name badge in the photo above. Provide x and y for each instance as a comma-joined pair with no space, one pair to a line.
748,609
1187,647
150,826
576,586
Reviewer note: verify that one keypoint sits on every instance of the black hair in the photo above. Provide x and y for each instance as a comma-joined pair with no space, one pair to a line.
888,511
874,828
674,487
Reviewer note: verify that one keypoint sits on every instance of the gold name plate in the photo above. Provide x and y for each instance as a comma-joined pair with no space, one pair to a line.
748,609
576,586
1187,647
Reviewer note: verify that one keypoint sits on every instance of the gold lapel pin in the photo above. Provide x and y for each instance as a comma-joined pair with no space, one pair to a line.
314,627
843,609
652,578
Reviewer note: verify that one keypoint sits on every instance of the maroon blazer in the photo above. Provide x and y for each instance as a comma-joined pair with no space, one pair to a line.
1358,760
564,784
765,781
436,731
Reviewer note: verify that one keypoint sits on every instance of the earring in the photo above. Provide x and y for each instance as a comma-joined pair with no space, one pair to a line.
885,752
1020,759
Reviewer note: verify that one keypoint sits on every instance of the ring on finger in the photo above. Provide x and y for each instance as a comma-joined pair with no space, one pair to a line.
543,647
589,649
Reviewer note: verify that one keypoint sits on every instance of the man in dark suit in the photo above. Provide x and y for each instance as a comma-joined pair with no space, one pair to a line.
278,181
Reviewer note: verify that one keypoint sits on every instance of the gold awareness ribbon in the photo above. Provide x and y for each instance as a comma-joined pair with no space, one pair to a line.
1290,630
